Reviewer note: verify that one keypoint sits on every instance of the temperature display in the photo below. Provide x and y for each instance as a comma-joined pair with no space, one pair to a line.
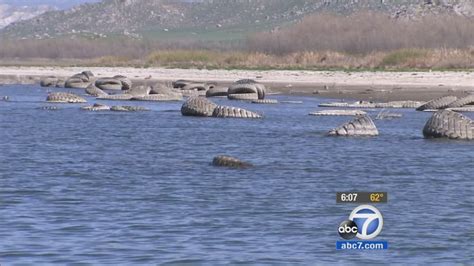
361,197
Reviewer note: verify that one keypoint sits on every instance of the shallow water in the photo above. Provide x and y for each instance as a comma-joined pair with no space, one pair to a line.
122,188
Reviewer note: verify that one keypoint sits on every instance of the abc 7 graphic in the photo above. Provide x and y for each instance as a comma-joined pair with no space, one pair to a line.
365,222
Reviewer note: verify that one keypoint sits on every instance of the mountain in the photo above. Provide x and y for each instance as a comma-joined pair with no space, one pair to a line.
208,19
59,4
10,14
16,10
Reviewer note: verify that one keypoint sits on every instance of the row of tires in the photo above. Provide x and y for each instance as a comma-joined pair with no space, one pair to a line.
85,79
447,102
443,124
244,89
198,106
446,122
117,108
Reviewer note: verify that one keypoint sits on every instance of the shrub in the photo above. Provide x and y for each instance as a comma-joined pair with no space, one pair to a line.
365,33
403,56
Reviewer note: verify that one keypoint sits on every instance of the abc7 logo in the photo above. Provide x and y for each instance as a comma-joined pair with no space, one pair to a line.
348,229
365,222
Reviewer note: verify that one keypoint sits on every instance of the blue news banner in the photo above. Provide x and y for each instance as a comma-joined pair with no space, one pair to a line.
361,245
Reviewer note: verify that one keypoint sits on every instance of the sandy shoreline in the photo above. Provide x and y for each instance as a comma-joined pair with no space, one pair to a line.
332,84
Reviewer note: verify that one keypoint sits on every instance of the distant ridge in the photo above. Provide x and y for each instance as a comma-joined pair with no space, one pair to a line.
10,14
190,19
59,4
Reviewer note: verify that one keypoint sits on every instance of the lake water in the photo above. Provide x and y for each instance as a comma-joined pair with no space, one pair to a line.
138,188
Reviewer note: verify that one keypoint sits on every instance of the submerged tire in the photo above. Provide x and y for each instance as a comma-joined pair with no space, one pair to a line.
334,112
159,97
162,89
466,108
76,83
94,91
88,74
217,92
195,87
108,84
49,81
192,93
126,108
231,162
180,83
266,101
461,102
242,89
116,97
245,81
360,126
79,81
239,88
198,106
96,107
126,82
234,112
337,104
49,108
139,91
61,83
261,91
439,103
81,76
243,96
412,104
398,104
64,97
292,102
449,124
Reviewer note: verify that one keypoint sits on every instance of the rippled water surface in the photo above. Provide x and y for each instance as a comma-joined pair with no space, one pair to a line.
138,188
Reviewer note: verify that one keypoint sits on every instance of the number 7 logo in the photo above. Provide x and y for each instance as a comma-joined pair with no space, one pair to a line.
369,220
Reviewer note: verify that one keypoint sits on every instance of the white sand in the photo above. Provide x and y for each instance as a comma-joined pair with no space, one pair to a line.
463,80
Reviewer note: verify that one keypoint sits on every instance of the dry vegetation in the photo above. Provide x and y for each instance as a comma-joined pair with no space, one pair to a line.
398,59
363,41
365,33
95,48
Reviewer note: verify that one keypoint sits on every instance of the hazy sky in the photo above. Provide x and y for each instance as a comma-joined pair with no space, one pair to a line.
57,3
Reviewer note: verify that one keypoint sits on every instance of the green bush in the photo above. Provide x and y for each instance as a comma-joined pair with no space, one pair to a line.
403,56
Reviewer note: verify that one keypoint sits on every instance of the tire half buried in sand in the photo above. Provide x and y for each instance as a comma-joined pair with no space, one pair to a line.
198,106
108,84
217,92
449,124
438,103
64,97
234,112
230,162
94,91
360,126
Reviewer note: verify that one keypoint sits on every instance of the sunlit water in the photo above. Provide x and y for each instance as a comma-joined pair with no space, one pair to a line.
123,188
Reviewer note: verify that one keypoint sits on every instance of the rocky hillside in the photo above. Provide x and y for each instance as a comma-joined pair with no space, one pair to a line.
190,19
59,4
10,14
